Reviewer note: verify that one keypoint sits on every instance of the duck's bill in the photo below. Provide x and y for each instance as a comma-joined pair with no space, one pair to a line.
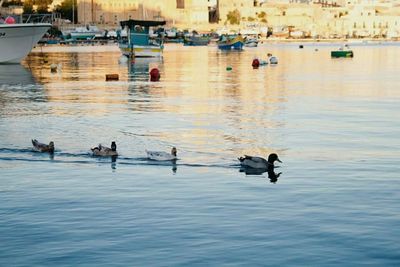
278,160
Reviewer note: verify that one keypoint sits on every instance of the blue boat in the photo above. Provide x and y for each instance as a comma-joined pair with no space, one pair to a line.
231,42
139,43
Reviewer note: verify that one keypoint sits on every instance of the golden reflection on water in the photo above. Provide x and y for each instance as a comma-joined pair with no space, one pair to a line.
203,106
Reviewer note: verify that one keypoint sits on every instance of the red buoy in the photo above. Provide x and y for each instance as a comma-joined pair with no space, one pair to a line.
154,75
255,63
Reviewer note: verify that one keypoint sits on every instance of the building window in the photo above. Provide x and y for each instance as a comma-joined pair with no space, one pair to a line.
180,3
355,25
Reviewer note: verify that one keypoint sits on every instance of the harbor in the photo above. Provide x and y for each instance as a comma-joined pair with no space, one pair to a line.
330,121
146,144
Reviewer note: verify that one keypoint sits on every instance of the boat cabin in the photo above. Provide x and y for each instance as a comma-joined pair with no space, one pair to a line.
139,31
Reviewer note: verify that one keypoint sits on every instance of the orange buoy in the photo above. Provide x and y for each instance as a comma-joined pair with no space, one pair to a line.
155,75
112,77
255,63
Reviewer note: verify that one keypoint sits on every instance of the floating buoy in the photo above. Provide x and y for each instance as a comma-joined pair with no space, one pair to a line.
301,46
273,60
229,68
122,59
255,63
155,75
53,68
112,77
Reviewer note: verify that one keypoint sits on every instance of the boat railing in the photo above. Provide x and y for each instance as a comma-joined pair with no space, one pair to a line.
40,18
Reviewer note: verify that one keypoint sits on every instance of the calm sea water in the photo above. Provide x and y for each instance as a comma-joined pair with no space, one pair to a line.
334,123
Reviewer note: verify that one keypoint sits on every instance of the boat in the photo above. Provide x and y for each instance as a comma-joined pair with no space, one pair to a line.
18,39
342,52
196,41
88,32
228,42
138,42
251,42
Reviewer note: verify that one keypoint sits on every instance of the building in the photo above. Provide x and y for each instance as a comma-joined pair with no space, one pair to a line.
178,13
319,18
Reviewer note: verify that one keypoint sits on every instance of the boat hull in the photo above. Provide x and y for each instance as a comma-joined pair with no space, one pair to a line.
17,40
141,50
82,35
251,44
235,43
336,54
196,41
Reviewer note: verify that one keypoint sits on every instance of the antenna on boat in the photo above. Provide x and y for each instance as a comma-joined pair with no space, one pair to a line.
73,12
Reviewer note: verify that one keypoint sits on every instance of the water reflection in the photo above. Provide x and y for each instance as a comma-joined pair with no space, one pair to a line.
114,162
12,74
272,175
140,67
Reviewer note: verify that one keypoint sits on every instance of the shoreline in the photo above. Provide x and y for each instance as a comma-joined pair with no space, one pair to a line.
113,47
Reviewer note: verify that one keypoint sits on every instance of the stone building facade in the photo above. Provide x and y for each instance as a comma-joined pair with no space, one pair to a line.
323,18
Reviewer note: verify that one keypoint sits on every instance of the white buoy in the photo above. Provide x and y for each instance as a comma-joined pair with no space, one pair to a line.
273,60
122,59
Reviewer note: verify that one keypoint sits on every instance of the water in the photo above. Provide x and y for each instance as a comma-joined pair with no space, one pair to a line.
333,122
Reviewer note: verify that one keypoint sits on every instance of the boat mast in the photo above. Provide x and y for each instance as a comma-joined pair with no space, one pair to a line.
92,10
73,12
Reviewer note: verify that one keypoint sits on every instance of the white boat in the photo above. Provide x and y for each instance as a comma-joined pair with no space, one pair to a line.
88,32
251,42
17,40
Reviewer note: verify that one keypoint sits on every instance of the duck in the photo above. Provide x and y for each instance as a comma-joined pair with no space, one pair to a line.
40,147
259,162
161,155
104,151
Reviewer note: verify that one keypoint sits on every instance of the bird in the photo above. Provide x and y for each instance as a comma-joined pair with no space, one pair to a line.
161,155
104,151
40,147
259,162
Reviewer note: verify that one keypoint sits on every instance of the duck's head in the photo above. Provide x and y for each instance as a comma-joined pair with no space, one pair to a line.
173,151
273,157
113,146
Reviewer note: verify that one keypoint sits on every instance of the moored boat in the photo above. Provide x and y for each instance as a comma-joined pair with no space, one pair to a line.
18,39
227,42
342,52
251,42
138,42
196,41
